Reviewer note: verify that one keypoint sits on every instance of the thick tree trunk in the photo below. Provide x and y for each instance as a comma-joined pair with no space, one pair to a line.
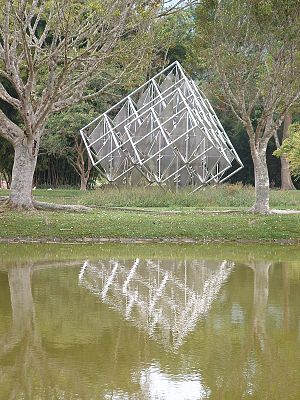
262,185
286,180
22,174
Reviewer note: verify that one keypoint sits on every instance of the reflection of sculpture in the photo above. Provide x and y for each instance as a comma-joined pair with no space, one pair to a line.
165,132
164,298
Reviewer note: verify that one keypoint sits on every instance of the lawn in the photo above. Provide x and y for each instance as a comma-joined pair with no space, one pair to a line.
219,197
155,214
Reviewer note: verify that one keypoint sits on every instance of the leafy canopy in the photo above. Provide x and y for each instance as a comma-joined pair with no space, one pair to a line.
250,52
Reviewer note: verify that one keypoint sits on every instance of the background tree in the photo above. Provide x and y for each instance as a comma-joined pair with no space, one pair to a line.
62,139
6,161
286,179
291,149
249,50
54,172
49,52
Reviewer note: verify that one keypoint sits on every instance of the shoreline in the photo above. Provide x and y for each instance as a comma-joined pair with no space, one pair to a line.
123,240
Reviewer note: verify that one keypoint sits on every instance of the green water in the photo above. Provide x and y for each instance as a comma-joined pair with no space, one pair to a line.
149,322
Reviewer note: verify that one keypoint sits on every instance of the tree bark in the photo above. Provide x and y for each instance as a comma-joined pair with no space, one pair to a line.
83,181
262,185
286,180
22,174
80,166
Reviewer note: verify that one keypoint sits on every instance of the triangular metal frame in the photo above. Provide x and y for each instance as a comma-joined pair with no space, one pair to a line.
166,121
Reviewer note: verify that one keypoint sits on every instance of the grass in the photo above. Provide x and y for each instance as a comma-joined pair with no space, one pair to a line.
146,219
223,196
116,224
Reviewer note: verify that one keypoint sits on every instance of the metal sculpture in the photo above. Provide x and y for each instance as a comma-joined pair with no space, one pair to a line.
165,132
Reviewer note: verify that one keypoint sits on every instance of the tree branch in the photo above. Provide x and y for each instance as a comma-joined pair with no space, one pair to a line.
9,130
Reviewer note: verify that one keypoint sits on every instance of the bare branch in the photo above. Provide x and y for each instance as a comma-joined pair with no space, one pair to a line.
4,95
8,129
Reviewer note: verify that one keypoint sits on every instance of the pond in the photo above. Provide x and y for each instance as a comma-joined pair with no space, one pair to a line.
166,322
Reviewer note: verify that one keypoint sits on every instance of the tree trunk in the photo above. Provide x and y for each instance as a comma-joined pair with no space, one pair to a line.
286,180
80,164
22,174
83,181
262,185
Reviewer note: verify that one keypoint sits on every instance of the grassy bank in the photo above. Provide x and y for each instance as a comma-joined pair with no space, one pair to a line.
157,215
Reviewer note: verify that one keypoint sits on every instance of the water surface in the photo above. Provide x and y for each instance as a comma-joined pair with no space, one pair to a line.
149,322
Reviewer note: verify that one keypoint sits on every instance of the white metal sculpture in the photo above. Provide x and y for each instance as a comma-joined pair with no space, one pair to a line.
165,132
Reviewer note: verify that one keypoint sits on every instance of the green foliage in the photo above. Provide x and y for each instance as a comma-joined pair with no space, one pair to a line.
63,128
250,51
291,149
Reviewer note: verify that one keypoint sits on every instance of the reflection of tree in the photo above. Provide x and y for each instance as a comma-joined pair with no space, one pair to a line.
286,293
260,300
241,358
165,299
25,361
22,344
22,306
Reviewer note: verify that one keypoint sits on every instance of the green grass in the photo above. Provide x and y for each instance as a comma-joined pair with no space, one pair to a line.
120,224
224,196
153,213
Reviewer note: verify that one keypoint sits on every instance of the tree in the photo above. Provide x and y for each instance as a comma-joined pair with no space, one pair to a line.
62,139
249,51
286,179
49,52
290,149
53,171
